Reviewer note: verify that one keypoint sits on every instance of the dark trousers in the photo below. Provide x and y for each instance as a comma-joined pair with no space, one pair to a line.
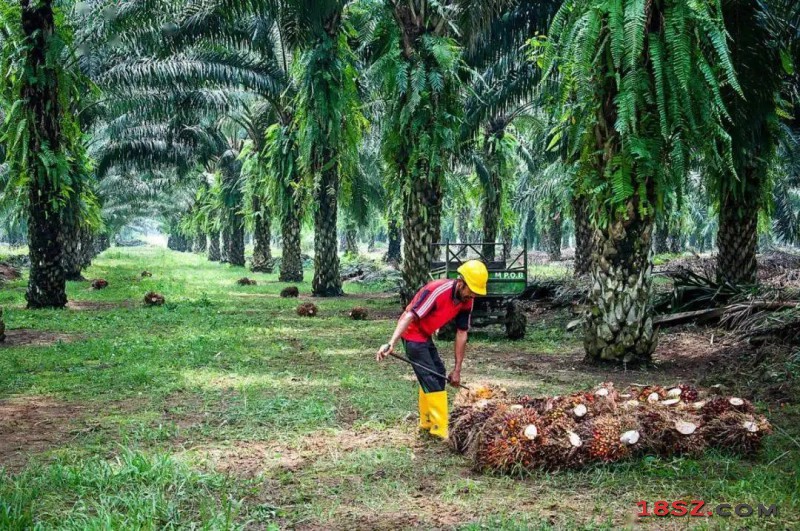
426,355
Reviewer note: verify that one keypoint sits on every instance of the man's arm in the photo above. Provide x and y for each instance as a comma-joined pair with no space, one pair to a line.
402,326
461,349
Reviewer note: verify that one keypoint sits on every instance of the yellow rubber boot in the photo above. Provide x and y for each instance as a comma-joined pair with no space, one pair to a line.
437,405
424,411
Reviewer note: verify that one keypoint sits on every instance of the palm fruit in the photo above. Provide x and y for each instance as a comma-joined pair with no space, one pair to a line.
715,407
290,291
510,441
602,437
479,392
561,447
652,393
689,393
153,299
667,431
737,432
244,281
358,313
99,283
307,309
146,274
466,423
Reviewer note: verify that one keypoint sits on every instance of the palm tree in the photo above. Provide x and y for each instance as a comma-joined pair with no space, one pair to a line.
504,89
742,188
416,63
45,153
637,89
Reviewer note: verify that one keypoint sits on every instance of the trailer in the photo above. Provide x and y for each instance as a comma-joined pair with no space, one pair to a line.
508,279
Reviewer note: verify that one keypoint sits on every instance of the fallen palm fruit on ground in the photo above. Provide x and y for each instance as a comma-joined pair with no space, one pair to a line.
290,291
153,299
511,434
307,309
244,281
358,313
99,283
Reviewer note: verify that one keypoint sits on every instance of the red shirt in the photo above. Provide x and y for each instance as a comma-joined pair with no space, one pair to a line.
434,306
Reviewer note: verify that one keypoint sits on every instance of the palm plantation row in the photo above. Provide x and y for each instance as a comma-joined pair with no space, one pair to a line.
626,117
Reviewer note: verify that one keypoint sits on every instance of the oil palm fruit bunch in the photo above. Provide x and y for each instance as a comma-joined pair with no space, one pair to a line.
466,422
718,405
651,393
246,282
689,393
154,299
358,313
289,292
737,432
561,447
603,436
667,431
478,392
541,405
99,283
146,274
510,441
307,309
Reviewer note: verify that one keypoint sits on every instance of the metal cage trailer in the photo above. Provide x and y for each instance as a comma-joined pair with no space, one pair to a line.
508,280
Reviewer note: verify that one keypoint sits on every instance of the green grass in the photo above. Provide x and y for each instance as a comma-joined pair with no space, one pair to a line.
224,409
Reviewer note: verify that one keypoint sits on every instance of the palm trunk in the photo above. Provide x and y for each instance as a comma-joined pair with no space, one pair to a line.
225,239
291,259
421,205
393,252
262,232
661,243
491,215
463,225
351,242
554,235
2,327
47,282
213,246
583,236
88,247
619,324
236,240
72,255
508,240
326,282
200,242
736,240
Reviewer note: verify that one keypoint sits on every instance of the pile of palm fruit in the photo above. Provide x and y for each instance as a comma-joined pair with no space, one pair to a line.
512,434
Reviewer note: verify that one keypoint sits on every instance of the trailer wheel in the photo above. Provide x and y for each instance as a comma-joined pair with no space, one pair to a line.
447,332
516,321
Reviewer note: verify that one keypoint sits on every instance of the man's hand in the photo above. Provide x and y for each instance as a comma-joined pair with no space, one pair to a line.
384,351
455,378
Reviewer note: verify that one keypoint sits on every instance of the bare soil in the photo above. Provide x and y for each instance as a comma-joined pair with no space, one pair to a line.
98,305
33,424
34,338
9,272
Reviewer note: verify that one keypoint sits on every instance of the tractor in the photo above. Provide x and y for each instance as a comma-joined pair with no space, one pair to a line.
508,279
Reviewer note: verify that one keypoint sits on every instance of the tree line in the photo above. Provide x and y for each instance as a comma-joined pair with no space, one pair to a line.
632,124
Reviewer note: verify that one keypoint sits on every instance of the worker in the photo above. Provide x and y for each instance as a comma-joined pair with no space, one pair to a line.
435,305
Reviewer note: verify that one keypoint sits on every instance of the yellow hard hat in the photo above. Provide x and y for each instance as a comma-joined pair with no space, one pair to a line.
476,275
